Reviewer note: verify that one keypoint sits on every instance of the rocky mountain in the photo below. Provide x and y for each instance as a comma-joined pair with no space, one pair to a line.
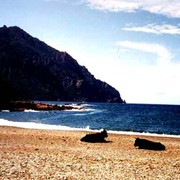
32,70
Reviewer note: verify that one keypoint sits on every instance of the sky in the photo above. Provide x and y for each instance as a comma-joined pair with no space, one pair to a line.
133,45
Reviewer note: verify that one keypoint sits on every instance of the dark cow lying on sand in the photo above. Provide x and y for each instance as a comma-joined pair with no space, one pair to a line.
150,145
97,137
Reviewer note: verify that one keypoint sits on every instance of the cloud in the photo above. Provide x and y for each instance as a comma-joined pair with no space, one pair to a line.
147,83
164,7
164,56
156,29
113,5
50,0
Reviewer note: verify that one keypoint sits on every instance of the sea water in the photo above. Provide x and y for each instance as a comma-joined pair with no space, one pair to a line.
114,117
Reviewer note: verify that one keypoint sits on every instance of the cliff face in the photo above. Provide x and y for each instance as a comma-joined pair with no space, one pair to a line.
32,70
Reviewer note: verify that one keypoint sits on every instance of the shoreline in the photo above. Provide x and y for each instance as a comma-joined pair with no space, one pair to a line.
59,154
33,125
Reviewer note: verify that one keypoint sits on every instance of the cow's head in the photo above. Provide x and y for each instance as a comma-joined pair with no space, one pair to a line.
136,143
104,133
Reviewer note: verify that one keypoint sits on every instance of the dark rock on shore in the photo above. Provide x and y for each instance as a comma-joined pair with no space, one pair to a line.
32,70
30,105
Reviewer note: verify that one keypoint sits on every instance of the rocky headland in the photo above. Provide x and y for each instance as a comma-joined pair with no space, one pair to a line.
32,70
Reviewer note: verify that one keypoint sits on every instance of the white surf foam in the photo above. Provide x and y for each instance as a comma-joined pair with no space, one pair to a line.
143,134
31,110
5,111
33,125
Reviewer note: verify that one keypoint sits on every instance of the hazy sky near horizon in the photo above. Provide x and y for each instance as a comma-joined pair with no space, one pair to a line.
134,45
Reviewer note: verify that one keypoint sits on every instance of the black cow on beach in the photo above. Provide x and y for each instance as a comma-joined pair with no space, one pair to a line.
150,145
97,137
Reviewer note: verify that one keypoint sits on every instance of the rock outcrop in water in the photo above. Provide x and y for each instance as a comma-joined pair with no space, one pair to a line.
32,70
30,105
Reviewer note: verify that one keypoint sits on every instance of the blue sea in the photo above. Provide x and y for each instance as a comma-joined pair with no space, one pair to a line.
162,120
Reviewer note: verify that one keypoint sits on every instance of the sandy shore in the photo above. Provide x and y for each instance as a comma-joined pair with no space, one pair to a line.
46,154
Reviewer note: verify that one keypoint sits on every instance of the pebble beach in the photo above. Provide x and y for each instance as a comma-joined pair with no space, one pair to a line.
51,154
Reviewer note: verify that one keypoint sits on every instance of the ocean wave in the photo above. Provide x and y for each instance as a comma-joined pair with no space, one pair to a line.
80,110
30,110
142,134
35,125
88,112
82,114
87,105
5,111
95,111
